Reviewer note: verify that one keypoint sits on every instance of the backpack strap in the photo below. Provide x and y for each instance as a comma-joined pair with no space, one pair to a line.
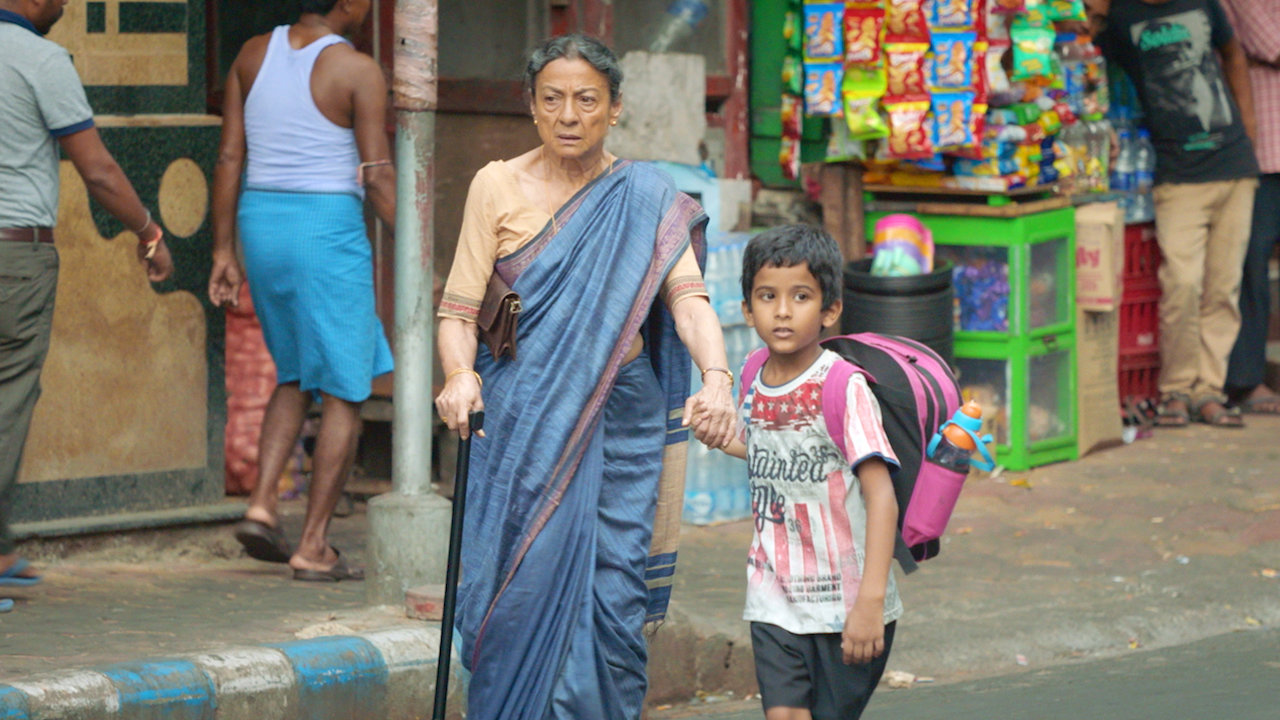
835,404
835,401
750,369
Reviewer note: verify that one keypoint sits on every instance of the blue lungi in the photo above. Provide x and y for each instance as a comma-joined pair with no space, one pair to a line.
310,271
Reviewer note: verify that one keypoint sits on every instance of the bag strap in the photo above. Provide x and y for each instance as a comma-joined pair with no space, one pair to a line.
750,369
835,404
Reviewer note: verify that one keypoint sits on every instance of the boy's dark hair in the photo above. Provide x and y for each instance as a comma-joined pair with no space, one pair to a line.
788,245
319,7
576,46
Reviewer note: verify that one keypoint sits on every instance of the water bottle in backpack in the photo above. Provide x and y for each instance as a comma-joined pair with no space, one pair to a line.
953,445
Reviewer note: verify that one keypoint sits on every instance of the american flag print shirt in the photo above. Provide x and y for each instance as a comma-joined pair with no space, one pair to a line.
806,559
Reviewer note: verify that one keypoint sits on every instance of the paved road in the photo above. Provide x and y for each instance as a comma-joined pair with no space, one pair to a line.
1232,677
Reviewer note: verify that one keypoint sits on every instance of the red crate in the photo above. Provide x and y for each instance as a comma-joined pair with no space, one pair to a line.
1141,256
1139,376
1140,322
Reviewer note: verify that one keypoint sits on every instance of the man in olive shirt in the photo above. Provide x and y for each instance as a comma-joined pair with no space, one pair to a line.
43,108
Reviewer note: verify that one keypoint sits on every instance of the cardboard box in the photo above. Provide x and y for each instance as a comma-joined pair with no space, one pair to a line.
1097,377
1099,256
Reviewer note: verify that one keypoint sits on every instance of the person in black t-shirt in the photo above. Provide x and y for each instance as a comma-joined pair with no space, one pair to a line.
1192,79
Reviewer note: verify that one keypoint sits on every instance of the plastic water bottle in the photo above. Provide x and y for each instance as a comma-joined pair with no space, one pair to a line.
681,18
1124,173
1144,160
1098,138
951,446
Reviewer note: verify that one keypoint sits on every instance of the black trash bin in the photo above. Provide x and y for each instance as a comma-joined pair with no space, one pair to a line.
919,307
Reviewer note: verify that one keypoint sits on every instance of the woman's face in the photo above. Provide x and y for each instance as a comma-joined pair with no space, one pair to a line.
572,108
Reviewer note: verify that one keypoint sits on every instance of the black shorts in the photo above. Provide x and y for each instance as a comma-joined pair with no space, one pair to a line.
808,671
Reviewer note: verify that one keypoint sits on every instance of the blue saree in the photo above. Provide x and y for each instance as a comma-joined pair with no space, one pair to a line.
561,563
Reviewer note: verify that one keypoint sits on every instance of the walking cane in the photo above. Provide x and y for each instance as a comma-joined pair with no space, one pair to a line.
476,420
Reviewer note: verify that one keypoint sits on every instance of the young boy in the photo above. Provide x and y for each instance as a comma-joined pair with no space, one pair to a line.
820,597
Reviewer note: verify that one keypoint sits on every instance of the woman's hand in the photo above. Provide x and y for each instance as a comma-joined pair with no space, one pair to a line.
711,412
459,398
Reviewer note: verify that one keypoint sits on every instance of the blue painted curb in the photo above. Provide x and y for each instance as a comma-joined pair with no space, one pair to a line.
171,689
383,674
338,677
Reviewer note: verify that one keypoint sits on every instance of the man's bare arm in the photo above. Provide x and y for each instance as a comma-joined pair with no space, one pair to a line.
369,105
107,184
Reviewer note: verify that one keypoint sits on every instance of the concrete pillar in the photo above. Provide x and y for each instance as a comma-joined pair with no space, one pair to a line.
409,527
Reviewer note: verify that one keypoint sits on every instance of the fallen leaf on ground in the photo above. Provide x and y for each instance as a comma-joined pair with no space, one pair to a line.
1269,573
967,530
1021,482
1157,520
1252,621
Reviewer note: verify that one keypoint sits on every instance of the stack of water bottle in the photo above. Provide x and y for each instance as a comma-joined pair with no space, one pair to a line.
1134,171
716,488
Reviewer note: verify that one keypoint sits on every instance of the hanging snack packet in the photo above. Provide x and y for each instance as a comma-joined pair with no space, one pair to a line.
789,158
792,116
906,69
841,146
1035,15
1008,7
792,74
822,83
905,22
862,26
1066,10
863,89
793,31
909,129
823,38
980,88
953,120
953,59
952,14
980,14
1032,52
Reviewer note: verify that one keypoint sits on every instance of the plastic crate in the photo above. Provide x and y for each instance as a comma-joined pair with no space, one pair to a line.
1141,258
1139,376
1140,322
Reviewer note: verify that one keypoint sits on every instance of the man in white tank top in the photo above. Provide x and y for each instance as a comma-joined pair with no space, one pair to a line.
306,113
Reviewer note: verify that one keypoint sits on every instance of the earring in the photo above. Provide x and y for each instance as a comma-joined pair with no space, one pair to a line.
613,122
535,121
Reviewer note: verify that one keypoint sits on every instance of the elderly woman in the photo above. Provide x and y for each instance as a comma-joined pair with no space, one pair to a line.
584,431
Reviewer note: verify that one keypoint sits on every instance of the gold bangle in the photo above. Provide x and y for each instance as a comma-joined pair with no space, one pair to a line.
459,371
726,371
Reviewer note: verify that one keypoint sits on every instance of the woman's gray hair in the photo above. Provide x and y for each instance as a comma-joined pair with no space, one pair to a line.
574,47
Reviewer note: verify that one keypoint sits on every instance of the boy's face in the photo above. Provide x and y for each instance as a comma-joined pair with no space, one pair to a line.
785,308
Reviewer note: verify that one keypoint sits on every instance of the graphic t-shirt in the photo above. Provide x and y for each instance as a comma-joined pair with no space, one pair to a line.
1169,51
807,551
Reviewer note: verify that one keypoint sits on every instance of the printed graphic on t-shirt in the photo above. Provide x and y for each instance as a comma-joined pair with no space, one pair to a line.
805,563
1183,78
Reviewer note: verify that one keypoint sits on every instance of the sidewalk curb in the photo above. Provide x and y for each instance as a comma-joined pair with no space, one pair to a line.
383,674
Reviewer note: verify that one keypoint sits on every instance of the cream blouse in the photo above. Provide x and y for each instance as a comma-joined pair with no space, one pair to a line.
498,220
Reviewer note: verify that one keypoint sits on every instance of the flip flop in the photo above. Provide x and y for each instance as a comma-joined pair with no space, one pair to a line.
1265,405
337,573
263,542
5,605
1225,417
13,578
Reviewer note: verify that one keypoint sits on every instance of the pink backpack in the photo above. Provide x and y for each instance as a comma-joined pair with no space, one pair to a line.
917,393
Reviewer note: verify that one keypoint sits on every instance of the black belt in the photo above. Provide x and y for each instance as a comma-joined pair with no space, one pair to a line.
28,234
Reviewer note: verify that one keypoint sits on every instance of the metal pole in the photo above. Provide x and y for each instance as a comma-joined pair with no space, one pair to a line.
408,525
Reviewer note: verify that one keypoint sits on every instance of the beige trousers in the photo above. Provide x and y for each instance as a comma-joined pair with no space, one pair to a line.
1203,231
